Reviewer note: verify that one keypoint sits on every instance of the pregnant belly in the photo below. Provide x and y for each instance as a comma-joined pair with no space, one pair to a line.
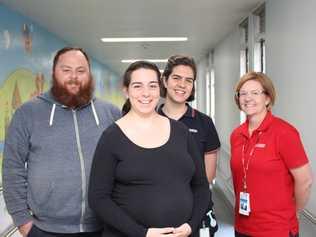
157,206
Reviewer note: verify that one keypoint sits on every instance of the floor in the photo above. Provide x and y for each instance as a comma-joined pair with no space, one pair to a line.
224,214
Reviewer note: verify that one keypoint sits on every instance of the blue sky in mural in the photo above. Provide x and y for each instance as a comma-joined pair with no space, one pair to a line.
12,46
45,44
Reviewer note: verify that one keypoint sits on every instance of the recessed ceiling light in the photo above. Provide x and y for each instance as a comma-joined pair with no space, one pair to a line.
149,60
144,39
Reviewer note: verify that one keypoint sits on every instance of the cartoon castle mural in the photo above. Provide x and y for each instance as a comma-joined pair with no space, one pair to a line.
16,98
39,85
24,73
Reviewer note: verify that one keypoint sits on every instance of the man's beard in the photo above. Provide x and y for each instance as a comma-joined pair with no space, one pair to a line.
82,97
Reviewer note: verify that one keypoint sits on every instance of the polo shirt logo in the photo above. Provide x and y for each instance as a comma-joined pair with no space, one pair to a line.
260,145
193,130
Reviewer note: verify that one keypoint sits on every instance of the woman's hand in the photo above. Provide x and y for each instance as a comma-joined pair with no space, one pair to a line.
160,232
182,231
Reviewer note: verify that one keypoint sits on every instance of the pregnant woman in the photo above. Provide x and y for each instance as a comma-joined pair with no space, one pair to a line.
147,177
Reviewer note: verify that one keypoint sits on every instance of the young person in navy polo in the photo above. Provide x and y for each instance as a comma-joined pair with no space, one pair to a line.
178,80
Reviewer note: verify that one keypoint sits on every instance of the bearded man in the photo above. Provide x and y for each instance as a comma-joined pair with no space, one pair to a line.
48,153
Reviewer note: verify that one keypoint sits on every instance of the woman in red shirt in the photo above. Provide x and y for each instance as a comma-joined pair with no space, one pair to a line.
271,174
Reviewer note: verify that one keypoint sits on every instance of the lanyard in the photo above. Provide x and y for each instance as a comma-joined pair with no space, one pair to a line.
245,167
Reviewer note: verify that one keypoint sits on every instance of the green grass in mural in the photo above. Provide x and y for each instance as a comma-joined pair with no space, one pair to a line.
19,87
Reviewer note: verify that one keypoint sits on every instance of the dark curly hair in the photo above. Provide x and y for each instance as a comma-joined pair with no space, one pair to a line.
174,61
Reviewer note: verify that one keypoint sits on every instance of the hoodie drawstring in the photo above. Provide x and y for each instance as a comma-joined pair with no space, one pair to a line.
95,113
52,115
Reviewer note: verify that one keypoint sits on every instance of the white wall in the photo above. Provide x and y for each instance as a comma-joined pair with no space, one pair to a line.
226,66
291,63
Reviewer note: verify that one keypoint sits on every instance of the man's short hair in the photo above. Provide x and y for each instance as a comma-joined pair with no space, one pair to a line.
67,49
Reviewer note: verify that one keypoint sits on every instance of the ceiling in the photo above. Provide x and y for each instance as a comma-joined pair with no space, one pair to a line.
84,22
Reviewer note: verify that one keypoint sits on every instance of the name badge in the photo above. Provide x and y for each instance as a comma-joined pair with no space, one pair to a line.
204,232
260,145
244,203
193,130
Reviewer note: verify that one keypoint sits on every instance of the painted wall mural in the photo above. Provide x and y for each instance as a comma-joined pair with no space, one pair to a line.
26,53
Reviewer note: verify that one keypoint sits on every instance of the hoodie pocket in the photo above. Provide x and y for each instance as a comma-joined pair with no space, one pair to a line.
60,200
39,194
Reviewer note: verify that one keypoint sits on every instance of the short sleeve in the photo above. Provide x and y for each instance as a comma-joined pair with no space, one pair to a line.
291,148
212,139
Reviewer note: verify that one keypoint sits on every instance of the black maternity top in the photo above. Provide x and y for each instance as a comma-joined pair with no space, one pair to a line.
134,188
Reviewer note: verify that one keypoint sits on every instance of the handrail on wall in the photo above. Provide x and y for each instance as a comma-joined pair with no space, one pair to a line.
309,216
11,232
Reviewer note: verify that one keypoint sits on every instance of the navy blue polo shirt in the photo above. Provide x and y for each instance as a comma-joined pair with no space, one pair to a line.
201,126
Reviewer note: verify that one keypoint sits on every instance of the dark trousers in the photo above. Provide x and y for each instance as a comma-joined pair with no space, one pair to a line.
197,234
36,232
237,234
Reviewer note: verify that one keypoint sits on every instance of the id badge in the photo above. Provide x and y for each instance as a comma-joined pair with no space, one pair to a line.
244,203
204,232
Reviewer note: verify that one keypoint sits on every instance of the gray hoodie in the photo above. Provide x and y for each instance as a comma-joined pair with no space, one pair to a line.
47,158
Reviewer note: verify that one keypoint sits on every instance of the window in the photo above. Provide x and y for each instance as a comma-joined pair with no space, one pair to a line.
244,54
194,102
208,94
244,51
259,37
212,88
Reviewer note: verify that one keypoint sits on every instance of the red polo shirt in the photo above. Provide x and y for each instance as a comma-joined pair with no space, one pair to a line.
275,148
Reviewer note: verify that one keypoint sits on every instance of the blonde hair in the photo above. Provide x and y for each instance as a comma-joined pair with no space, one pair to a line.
265,82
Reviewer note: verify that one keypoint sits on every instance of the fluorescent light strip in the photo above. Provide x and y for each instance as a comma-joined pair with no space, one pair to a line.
144,39
149,60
